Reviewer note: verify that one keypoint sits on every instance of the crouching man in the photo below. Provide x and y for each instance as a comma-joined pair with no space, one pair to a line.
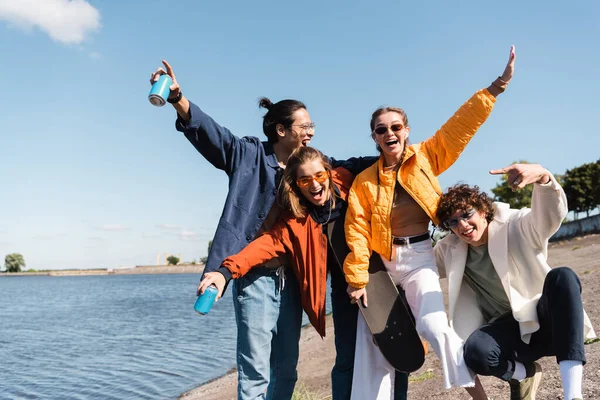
504,298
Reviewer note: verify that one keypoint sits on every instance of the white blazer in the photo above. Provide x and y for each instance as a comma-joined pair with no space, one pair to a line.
518,247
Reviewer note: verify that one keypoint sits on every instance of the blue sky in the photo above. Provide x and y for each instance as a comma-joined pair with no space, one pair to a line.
93,176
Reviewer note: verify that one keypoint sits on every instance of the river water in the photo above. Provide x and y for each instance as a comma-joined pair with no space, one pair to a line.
110,337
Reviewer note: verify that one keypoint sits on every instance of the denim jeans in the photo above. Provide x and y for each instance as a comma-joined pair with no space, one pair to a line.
494,348
269,317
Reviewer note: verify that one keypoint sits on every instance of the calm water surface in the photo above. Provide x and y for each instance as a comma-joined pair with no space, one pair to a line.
110,337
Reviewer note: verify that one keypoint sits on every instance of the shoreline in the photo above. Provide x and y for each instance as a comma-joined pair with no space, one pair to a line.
137,270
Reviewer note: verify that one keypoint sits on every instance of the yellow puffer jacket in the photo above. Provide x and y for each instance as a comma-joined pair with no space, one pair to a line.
368,219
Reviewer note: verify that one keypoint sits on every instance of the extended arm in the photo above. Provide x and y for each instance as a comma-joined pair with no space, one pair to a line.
216,143
358,236
270,245
548,201
444,148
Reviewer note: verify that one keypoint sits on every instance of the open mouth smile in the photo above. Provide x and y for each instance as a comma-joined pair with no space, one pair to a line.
468,233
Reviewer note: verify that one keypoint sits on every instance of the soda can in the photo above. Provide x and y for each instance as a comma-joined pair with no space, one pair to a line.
159,93
205,301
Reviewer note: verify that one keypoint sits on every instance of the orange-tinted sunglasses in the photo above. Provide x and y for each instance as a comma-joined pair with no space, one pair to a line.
305,181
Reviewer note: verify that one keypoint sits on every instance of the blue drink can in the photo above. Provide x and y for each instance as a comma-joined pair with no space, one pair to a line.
205,301
160,91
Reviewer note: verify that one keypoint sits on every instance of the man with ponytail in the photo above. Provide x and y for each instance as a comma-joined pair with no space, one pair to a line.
267,300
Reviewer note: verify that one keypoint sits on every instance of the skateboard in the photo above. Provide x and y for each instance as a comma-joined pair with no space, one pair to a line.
388,316
390,320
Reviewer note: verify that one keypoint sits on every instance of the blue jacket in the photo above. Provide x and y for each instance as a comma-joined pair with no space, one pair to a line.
254,174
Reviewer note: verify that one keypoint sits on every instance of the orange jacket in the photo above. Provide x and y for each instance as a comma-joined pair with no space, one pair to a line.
303,241
368,219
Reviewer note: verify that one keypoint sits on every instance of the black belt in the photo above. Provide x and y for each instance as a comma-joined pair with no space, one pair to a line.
402,241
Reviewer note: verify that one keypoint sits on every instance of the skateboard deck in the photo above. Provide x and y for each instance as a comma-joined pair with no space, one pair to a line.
390,320
388,316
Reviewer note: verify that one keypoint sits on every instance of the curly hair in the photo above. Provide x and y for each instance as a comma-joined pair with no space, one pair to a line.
462,197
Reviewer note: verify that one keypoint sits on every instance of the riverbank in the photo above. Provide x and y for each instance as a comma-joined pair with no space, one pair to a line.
138,270
317,356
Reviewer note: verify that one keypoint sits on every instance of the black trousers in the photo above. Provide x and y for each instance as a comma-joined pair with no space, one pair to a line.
494,348
344,323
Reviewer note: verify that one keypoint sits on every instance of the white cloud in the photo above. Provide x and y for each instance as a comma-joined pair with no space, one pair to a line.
66,21
50,236
188,234
114,228
151,234
168,227
95,55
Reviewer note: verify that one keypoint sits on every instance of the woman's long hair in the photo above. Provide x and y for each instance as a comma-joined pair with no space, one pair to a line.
289,196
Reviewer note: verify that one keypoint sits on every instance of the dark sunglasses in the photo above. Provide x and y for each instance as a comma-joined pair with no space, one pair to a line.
380,130
453,222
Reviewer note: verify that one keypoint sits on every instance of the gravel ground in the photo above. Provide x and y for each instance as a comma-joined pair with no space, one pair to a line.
316,355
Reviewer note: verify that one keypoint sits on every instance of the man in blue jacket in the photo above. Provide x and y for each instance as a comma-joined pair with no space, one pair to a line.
267,300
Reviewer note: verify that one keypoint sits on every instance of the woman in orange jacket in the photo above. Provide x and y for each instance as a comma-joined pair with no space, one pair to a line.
310,232
390,207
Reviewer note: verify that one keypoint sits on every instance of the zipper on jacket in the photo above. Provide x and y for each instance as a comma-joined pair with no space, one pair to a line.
391,211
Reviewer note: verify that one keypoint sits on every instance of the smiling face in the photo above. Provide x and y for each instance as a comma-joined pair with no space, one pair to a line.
313,181
300,133
473,229
390,134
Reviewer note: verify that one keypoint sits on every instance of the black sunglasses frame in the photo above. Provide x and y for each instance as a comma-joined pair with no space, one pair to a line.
452,223
383,129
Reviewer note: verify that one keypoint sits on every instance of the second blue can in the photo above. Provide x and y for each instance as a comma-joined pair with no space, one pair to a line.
205,301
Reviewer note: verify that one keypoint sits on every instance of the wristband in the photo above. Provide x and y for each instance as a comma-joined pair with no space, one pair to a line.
500,84
176,99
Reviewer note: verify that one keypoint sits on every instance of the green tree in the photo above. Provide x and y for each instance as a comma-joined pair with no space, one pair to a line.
596,182
173,260
517,199
13,262
580,186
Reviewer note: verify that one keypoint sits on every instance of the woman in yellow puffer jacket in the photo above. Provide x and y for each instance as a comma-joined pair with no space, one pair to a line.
390,207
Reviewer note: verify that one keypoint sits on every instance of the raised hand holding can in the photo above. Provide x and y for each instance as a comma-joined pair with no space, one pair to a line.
159,93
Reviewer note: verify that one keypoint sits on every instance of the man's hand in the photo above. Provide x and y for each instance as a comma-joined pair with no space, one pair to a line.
175,89
520,175
212,278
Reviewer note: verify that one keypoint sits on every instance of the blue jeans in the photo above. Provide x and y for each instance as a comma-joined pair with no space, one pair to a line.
344,325
269,318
